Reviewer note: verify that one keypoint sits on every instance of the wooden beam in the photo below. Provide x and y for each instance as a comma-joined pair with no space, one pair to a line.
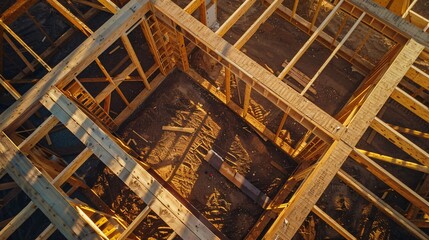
53,47
411,103
16,10
251,72
328,60
193,6
9,88
396,161
88,32
128,46
380,204
246,102
400,141
47,232
310,41
78,60
137,101
391,181
418,76
314,185
43,194
18,220
254,27
135,223
244,7
38,134
362,65
399,24
252,121
18,52
410,131
28,48
331,222
160,200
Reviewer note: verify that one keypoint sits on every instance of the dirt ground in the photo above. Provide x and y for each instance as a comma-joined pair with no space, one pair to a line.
178,157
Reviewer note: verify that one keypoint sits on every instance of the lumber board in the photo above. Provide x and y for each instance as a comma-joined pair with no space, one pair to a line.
244,7
418,76
17,221
16,10
250,71
391,181
160,200
313,186
178,129
411,103
396,161
334,224
78,60
38,134
254,27
43,194
400,141
310,41
380,204
135,223
399,24
137,101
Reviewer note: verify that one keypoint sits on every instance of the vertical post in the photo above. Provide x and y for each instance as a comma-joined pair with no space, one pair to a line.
282,122
228,85
246,103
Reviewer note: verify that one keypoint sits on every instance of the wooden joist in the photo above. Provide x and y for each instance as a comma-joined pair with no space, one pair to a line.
395,161
418,76
391,181
400,25
310,41
411,103
43,194
314,185
251,72
380,204
400,141
334,224
254,27
77,61
160,200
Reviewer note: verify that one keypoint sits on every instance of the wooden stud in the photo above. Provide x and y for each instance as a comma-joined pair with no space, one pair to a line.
42,193
47,232
161,201
316,14
410,131
314,185
246,103
77,61
28,48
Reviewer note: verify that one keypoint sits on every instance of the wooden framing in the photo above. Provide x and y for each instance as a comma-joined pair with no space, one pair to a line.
334,139
165,205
